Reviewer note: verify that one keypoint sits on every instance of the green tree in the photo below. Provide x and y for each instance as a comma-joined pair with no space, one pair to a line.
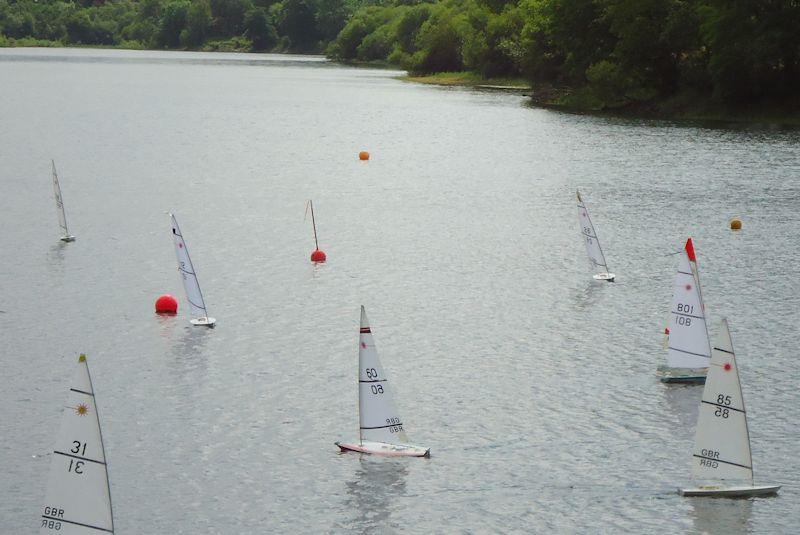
754,48
198,23
229,16
174,17
259,30
296,21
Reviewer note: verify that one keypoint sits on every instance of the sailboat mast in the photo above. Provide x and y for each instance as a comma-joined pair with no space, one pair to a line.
102,446
313,223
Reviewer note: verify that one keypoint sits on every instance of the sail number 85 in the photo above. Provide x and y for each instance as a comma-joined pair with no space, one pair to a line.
722,412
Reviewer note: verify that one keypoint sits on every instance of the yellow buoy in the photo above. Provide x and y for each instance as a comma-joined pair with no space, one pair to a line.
736,224
363,156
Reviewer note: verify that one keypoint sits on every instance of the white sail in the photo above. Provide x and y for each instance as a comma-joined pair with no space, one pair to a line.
689,345
78,500
197,305
62,216
722,441
596,258
378,416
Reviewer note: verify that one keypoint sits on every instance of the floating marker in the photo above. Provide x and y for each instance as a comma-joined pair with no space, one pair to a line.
318,256
166,304
736,224
363,156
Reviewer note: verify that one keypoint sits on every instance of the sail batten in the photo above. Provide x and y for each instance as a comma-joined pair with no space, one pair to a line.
689,345
597,259
191,286
379,420
722,440
62,214
78,497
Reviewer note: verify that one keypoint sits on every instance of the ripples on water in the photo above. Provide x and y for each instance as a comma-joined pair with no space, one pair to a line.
533,385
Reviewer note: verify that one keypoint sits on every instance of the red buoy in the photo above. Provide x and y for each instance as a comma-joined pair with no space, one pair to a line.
318,256
166,304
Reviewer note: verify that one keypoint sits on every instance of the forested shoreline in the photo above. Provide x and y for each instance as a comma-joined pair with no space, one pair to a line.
640,55
215,25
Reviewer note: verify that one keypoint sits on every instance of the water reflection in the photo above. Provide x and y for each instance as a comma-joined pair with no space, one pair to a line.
56,255
587,296
683,402
191,343
718,515
371,492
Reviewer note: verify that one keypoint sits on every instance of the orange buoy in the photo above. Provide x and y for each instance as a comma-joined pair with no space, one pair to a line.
736,224
166,304
363,156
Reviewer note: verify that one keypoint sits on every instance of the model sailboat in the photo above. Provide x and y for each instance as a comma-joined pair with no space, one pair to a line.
596,257
62,215
381,428
194,296
78,500
689,347
721,457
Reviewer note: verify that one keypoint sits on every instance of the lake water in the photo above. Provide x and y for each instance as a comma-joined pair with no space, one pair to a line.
533,385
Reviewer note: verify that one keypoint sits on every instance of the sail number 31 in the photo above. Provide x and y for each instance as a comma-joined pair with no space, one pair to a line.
74,465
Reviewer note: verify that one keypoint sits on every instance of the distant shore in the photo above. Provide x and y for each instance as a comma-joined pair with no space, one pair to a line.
683,106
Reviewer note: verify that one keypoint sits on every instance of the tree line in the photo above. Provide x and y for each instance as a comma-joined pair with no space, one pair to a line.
611,52
246,25
607,52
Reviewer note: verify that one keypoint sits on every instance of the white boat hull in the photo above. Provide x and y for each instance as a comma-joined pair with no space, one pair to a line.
389,450
682,375
203,322
604,277
742,491
68,238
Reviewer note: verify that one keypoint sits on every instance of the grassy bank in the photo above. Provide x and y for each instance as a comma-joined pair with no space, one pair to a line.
469,79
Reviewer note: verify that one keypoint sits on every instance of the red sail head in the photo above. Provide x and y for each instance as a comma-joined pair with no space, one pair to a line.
690,250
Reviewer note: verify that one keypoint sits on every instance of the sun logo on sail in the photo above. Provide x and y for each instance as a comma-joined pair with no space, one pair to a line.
82,409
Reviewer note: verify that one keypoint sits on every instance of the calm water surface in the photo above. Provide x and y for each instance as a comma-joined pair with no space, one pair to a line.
533,384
